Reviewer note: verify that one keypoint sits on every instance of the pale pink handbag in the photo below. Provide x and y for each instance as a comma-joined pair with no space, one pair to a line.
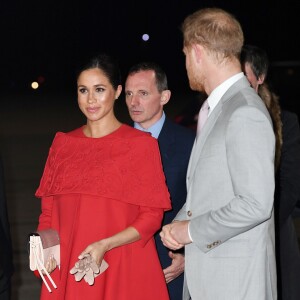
43,244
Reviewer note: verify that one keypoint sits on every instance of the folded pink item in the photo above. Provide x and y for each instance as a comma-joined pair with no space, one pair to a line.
88,269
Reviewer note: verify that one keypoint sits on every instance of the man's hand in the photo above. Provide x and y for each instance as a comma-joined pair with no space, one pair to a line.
175,235
176,268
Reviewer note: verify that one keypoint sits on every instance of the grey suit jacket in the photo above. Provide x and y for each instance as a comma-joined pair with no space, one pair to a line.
230,183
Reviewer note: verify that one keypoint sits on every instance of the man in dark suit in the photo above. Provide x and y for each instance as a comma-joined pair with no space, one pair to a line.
6,267
146,91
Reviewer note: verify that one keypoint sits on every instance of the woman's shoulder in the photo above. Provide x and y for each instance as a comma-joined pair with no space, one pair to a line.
130,132
124,134
136,140
61,138
78,132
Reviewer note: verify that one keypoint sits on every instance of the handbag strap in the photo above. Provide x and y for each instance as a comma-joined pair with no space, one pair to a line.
40,266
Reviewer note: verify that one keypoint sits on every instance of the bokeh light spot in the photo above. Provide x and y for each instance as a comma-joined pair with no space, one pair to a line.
145,37
34,85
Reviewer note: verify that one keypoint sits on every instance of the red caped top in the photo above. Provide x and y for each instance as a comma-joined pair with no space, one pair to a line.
93,188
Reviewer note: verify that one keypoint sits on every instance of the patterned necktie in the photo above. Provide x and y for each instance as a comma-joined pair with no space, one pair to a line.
202,117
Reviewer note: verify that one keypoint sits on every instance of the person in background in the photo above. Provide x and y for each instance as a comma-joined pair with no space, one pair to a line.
6,257
146,91
255,63
103,189
227,222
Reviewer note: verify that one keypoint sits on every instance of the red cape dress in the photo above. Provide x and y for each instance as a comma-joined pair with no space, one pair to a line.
93,188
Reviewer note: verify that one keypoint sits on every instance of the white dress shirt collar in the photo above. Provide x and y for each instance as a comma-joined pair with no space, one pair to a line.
220,90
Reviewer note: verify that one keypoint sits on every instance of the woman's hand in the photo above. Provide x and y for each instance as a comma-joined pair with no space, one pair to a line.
51,264
96,250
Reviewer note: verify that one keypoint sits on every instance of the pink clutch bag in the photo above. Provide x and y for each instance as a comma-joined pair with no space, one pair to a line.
42,245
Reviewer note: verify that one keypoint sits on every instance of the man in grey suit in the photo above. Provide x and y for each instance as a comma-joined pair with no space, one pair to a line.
147,92
227,223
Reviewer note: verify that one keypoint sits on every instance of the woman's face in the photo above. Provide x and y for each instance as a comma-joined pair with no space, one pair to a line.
96,95
251,76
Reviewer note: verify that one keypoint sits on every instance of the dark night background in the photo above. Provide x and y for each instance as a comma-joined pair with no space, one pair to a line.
49,38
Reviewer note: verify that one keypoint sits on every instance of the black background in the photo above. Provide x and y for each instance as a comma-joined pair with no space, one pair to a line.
50,38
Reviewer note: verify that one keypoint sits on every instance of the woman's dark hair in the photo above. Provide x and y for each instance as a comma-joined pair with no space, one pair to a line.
108,65
259,63
257,58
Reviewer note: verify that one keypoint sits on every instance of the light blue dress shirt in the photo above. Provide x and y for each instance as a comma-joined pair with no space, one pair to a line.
155,129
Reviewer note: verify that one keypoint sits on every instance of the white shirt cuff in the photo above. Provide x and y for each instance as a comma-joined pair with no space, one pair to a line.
189,232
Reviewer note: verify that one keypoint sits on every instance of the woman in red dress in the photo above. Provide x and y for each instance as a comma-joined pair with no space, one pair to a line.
104,191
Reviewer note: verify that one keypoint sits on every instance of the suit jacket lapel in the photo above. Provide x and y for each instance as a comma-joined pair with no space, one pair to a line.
200,141
165,141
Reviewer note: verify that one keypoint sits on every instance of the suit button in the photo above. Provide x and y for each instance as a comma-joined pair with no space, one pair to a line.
189,213
208,246
216,243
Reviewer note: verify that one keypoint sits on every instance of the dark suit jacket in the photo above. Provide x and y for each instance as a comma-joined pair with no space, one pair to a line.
175,143
286,196
6,267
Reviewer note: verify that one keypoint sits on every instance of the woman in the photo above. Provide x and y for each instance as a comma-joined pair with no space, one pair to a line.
104,191
287,192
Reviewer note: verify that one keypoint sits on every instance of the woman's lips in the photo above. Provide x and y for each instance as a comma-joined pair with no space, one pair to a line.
92,109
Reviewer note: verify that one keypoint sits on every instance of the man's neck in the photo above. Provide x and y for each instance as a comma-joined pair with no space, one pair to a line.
220,73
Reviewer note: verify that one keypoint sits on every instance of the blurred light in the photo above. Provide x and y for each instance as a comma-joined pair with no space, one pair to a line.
145,37
34,85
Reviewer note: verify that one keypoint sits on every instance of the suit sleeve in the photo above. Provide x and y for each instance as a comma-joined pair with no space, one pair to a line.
181,215
250,151
289,171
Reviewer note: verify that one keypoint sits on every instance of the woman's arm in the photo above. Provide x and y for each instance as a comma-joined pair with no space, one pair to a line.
142,229
45,223
98,249
46,215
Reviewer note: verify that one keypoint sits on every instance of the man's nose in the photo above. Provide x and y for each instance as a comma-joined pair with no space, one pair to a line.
134,100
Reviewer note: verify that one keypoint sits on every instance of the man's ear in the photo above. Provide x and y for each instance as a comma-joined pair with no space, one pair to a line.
165,97
197,51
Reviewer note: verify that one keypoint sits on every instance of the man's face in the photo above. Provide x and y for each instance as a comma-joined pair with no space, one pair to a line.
144,101
254,81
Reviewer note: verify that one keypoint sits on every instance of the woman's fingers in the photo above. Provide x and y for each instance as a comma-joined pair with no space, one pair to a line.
51,264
